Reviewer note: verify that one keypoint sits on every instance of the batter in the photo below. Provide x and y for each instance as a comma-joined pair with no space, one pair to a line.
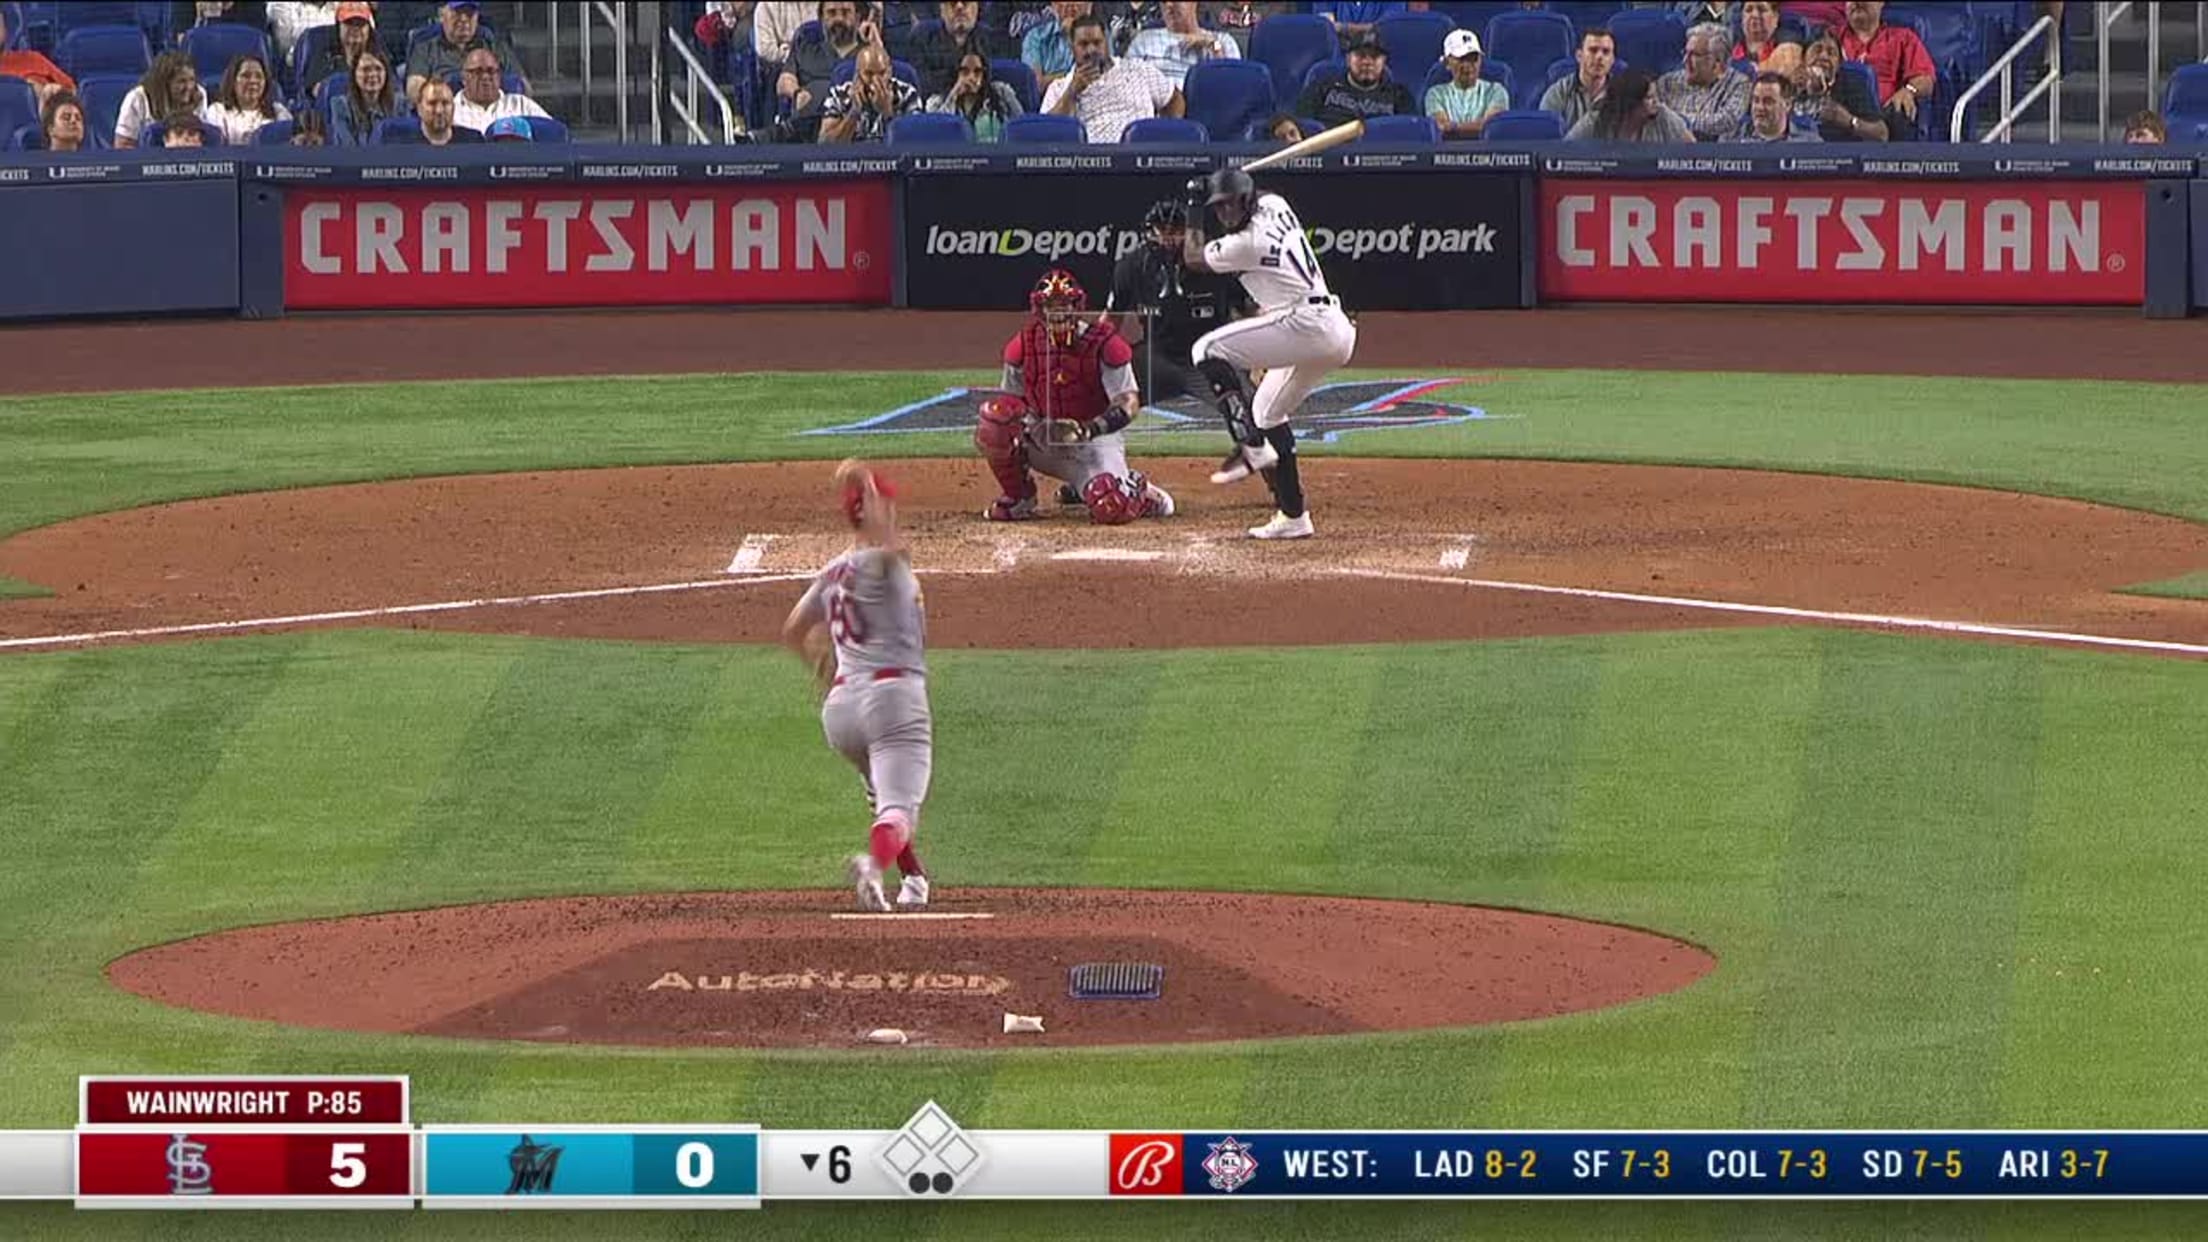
1298,335
862,625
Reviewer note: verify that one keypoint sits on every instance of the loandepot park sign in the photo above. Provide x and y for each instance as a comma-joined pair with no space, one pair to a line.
1329,413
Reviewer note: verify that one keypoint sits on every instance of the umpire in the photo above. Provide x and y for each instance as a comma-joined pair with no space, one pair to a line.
1176,306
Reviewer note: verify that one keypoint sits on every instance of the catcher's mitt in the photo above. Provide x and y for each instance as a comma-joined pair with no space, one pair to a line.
1062,431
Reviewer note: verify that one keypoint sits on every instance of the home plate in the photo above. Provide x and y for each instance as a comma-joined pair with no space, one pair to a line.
1109,554
918,914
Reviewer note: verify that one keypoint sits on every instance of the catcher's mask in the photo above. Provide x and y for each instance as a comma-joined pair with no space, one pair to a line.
1166,227
1059,299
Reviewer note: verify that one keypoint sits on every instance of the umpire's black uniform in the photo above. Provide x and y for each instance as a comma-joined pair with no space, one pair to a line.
1176,306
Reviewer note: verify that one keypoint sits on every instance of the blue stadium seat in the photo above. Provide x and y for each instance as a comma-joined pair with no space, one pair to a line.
1165,129
1045,127
1650,40
1863,71
18,105
846,70
1020,76
334,86
1527,40
1525,125
2185,100
103,49
102,94
1289,44
402,127
12,14
213,46
925,127
1585,13
305,54
1413,41
1497,72
1472,16
1331,67
1224,96
76,14
275,134
1950,33
1401,129
27,138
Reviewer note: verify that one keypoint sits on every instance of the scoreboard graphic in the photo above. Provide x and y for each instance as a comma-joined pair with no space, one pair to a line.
351,1142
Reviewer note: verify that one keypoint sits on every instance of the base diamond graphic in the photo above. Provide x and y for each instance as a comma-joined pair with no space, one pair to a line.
931,1157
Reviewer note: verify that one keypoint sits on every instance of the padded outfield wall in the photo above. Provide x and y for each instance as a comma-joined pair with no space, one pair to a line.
260,233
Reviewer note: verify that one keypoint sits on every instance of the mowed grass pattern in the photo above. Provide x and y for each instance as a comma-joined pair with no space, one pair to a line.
1949,883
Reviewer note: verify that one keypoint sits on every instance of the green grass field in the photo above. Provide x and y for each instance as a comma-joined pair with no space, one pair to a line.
1949,883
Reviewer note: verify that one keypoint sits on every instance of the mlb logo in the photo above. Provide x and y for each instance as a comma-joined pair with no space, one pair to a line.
1146,1164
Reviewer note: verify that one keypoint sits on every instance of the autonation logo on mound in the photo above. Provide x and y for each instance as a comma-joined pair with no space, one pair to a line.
380,247
1387,240
2054,242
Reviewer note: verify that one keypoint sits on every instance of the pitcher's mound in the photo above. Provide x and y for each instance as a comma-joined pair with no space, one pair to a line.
783,970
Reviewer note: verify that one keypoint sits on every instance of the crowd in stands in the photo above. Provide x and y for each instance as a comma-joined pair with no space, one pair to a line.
355,72
1126,70
341,72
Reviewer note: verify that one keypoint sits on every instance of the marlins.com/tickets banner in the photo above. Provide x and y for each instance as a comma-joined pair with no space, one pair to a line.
461,246
2054,242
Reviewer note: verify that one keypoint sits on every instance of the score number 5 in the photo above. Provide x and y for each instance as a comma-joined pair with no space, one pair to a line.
349,1170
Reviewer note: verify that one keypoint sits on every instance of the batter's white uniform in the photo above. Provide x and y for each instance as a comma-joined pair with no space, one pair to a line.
876,714
1299,333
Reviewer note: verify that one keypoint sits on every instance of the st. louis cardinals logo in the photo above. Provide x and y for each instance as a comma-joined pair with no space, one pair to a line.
1329,413
1146,1164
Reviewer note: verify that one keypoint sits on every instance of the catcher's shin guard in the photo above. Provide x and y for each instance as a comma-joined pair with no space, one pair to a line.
1000,435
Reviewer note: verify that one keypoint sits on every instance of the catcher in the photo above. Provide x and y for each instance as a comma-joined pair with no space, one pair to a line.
1076,386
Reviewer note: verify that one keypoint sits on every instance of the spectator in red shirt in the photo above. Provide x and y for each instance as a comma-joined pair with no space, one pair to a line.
44,75
1898,59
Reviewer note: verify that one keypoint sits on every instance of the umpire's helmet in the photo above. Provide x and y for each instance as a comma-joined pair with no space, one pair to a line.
1163,214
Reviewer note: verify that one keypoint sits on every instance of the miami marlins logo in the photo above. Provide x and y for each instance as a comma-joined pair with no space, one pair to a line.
1329,413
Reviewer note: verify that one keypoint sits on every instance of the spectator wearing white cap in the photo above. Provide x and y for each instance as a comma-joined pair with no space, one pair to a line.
1462,105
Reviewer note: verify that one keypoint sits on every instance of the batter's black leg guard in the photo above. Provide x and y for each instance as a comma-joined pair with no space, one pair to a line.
1234,405
1287,487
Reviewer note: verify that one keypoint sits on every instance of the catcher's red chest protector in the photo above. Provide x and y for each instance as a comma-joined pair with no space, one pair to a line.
1067,381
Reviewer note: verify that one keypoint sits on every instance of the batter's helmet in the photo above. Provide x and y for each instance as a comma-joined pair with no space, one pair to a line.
1232,185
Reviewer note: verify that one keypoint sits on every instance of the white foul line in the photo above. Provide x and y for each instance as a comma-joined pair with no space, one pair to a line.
393,610
750,555
1803,614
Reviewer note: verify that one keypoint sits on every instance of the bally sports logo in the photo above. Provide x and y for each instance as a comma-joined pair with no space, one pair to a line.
1146,1164
1844,241
385,247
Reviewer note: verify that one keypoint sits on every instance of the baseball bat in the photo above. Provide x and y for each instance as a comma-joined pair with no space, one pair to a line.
1324,140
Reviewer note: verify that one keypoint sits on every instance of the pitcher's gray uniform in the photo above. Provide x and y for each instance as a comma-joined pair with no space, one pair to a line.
876,714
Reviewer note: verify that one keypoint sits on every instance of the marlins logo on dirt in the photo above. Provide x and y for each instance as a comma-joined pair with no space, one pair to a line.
1331,412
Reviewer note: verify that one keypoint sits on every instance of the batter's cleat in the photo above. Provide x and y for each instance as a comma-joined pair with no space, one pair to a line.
1006,509
866,880
1284,527
1157,502
1246,461
913,893
1067,495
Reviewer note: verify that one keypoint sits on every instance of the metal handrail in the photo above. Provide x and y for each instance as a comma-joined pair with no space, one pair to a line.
2104,17
698,72
1999,70
616,16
